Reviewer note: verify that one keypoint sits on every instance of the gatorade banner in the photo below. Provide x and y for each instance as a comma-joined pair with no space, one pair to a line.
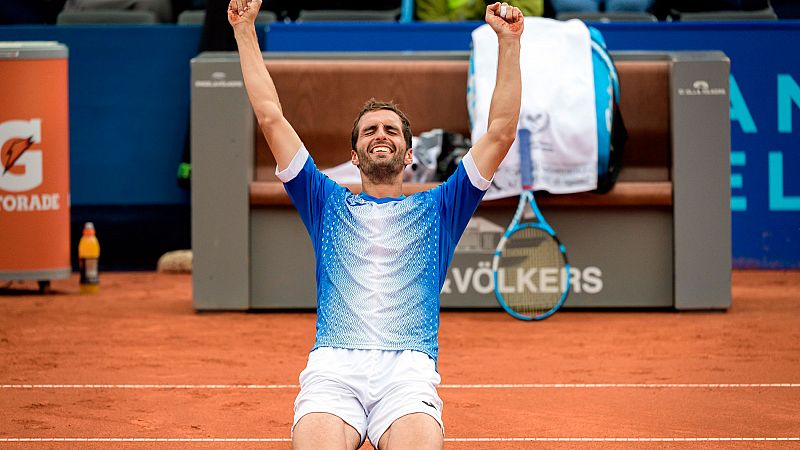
34,161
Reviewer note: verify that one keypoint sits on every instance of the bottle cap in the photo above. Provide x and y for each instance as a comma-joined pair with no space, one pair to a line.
88,229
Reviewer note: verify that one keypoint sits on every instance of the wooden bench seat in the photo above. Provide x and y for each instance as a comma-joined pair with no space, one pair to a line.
439,101
627,193
321,99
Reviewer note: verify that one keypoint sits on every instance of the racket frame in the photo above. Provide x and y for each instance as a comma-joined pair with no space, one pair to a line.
527,198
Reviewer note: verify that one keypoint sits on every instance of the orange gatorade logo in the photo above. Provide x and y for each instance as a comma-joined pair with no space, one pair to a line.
12,150
23,168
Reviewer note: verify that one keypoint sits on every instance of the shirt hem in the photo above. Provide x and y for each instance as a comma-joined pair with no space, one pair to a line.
377,347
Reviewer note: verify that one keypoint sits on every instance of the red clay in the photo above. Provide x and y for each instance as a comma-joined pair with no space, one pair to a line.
142,329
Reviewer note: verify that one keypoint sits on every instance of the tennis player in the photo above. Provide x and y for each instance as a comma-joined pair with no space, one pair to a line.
381,257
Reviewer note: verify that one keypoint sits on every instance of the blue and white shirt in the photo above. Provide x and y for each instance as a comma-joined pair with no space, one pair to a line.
381,262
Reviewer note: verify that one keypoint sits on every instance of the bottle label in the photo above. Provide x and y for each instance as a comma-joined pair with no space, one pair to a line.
89,272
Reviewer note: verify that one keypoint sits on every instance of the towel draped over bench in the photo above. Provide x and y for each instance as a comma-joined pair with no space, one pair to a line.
558,105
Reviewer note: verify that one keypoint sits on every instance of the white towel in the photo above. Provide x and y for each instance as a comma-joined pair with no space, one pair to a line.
558,105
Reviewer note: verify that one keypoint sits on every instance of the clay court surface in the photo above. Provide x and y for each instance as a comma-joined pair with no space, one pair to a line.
135,367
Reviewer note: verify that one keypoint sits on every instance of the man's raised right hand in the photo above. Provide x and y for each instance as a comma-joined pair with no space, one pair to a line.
243,12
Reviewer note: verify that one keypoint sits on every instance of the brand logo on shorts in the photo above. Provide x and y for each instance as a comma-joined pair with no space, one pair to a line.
429,404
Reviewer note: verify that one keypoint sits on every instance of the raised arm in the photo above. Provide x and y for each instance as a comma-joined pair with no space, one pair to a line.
281,137
491,148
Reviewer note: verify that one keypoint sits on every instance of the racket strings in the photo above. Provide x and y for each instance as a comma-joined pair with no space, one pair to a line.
532,272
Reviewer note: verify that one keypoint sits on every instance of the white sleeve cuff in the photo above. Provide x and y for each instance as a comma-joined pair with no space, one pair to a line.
474,174
298,161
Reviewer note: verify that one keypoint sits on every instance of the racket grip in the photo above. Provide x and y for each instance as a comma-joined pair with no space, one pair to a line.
525,163
502,12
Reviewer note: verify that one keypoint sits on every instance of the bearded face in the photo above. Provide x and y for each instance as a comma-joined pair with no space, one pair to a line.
380,162
381,152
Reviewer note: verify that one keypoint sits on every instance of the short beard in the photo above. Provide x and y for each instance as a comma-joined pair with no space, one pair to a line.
381,171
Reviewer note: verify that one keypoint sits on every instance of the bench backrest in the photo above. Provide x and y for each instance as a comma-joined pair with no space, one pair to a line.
321,98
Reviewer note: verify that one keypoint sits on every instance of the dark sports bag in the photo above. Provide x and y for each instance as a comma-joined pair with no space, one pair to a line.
611,131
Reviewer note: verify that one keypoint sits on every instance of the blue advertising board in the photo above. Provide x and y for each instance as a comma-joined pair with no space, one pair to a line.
765,127
765,106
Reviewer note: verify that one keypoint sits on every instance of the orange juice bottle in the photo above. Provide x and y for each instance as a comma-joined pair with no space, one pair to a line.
89,256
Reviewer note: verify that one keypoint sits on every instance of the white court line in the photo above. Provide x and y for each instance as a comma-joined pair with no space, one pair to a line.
145,440
622,439
149,386
621,386
476,439
443,386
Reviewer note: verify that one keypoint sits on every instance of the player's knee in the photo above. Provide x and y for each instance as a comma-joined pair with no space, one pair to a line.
315,431
413,432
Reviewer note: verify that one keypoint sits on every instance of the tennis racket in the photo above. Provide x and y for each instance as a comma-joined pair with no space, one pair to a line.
530,266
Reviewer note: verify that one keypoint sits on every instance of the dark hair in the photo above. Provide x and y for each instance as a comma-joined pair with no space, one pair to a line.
375,105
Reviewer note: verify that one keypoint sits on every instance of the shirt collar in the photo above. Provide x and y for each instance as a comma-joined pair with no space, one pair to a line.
370,198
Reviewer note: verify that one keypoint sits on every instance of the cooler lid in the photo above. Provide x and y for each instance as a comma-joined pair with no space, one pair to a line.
32,50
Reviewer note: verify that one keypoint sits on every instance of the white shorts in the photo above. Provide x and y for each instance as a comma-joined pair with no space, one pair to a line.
368,389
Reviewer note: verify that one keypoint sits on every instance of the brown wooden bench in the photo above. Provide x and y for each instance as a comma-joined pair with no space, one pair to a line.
654,240
321,99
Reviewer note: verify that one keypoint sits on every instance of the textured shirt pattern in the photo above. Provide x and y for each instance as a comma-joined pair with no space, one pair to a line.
381,263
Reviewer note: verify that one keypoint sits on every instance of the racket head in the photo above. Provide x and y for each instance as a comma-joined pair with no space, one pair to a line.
525,263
